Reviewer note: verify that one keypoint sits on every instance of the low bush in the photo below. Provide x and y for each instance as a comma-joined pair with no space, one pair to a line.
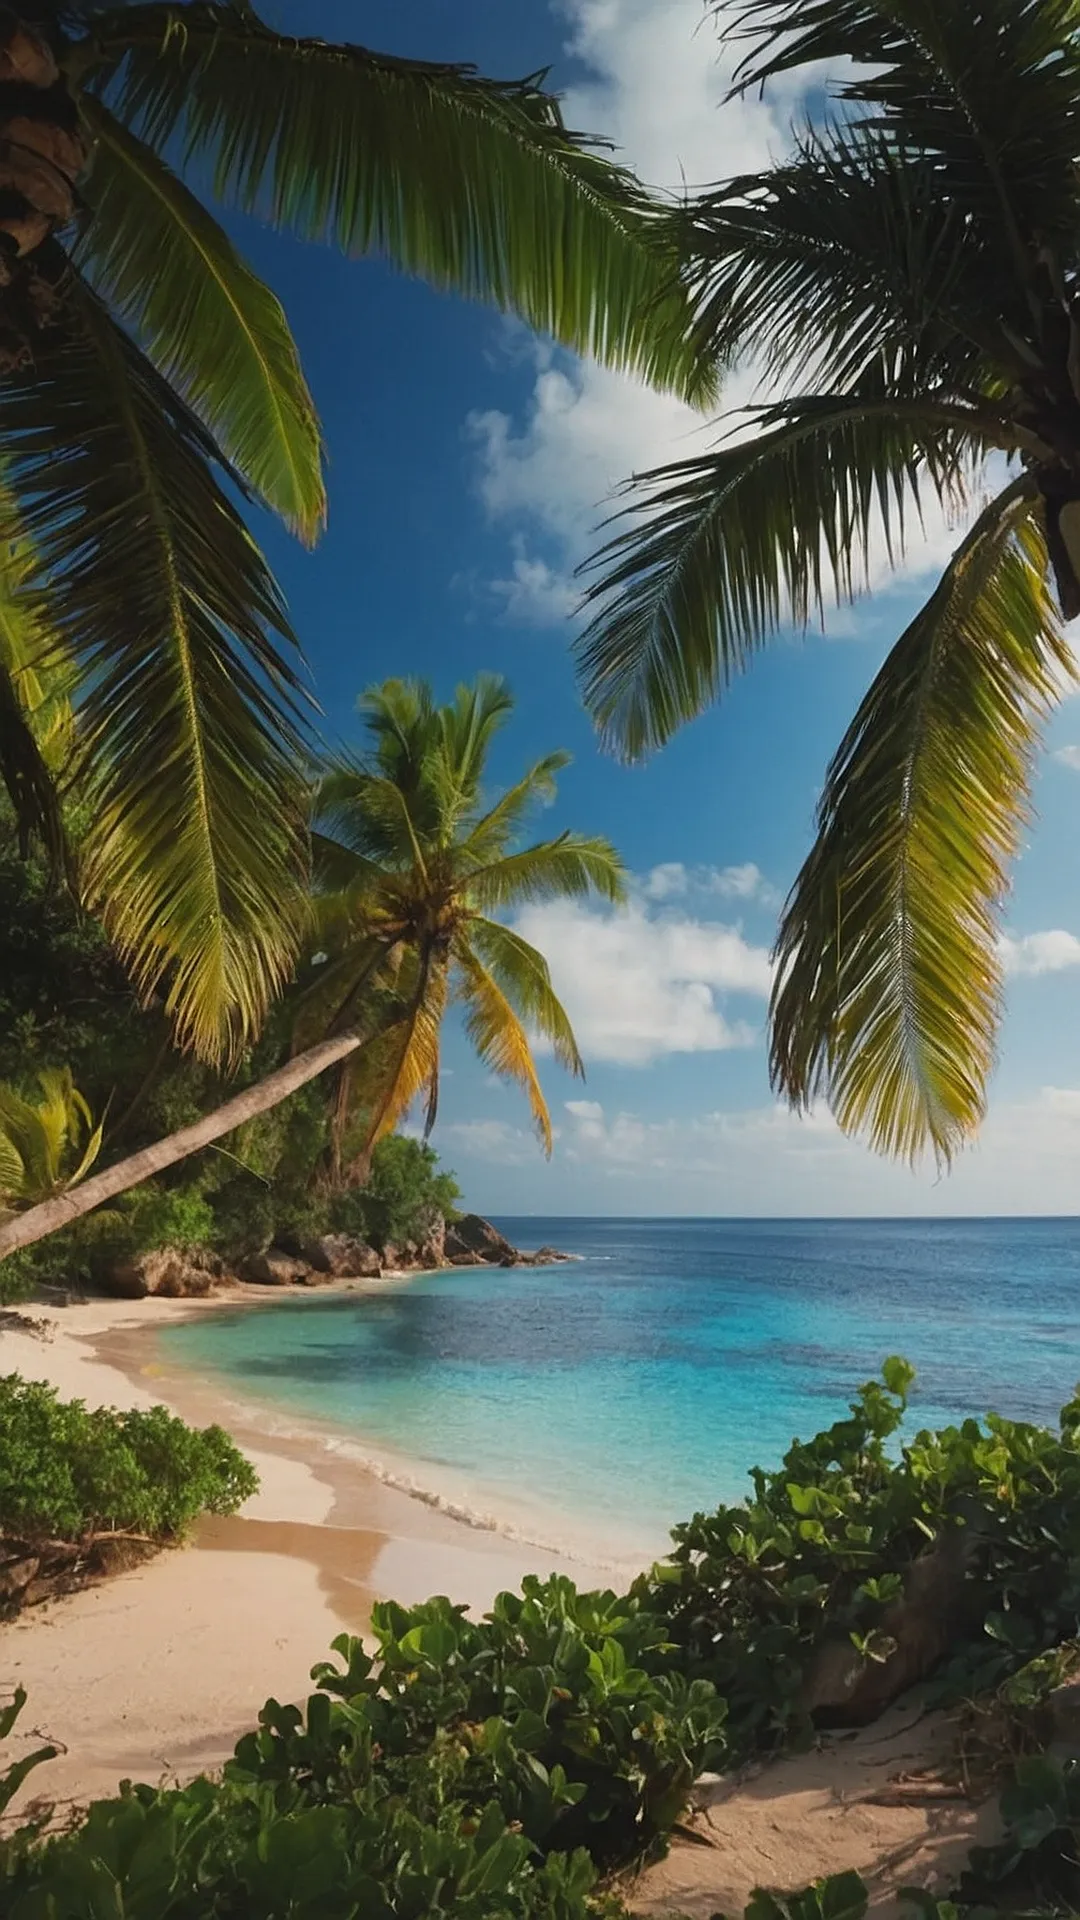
826,1545
68,1471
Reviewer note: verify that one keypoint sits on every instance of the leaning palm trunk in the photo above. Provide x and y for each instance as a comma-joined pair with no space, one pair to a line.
37,1222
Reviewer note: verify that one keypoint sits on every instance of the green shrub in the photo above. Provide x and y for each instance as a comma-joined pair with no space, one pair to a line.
68,1471
825,1543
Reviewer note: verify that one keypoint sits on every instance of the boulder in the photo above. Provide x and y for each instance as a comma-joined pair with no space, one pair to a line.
166,1271
274,1270
339,1256
424,1254
940,1603
472,1241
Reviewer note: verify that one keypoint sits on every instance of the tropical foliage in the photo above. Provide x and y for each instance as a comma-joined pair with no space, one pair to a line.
47,1144
494,1769
416,873
148,374
68,1472
907,282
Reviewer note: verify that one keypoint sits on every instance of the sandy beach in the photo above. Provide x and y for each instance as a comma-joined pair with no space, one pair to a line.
154,1674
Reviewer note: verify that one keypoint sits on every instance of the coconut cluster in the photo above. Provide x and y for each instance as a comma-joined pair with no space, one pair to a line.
42,151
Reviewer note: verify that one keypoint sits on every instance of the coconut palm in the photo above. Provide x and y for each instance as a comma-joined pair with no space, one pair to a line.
144,367
412,865
908,280
46,1145
415,874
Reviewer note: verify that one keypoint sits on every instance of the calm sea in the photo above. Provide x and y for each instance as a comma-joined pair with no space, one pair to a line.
591,1405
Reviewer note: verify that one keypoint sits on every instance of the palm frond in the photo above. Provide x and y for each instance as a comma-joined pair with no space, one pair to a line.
36,729
995,96
467,728
498,1036
474,184
569,867
207,321
522,973
887,990
724,549
845,254
489,836
403,1061
38,1137
190,749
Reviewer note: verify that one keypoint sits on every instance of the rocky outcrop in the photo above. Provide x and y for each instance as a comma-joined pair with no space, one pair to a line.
319,1260
169,1272
273,1269
340,1255
422,1255
473,1242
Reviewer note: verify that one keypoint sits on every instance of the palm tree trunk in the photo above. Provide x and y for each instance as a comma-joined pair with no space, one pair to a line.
60,1211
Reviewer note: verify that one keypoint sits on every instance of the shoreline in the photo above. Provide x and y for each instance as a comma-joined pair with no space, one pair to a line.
154,1673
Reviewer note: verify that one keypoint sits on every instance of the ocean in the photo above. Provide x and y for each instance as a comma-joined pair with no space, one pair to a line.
591,1405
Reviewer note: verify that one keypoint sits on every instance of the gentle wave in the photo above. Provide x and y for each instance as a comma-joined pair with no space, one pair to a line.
414,1479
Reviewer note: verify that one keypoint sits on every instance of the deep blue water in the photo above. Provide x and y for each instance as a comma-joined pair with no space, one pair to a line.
627,1389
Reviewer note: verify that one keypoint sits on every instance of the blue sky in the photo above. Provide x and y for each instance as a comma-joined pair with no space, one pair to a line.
469,465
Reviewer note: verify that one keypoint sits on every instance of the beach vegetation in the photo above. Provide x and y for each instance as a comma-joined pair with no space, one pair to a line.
907,282
418,870
47,1144
69,1472
152,385
511,1765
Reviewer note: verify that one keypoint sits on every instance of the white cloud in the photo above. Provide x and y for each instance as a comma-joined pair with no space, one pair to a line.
494,1140
672,880
637,987
768,1160
1069,757
1034,953
535,594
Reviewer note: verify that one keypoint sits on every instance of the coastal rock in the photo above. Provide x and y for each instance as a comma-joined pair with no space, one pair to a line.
339,1256
939,1603
424,1254
165,1271
472,1241
274,1270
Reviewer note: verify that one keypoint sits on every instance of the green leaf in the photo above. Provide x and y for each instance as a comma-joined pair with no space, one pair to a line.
887,989
191,754
474,184
216,332
725,549
898,1375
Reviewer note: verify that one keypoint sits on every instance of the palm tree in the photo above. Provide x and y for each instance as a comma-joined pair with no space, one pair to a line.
908,280
415,873
144,366
412,866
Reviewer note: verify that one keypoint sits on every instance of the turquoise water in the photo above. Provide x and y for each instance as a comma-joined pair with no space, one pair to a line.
609,1397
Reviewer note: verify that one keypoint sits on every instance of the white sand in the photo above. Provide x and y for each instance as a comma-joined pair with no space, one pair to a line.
154,1673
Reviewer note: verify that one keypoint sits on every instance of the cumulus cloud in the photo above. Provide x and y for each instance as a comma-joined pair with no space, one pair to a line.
672,880
534,593
1032,953
768,1160
637,987
1069,757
